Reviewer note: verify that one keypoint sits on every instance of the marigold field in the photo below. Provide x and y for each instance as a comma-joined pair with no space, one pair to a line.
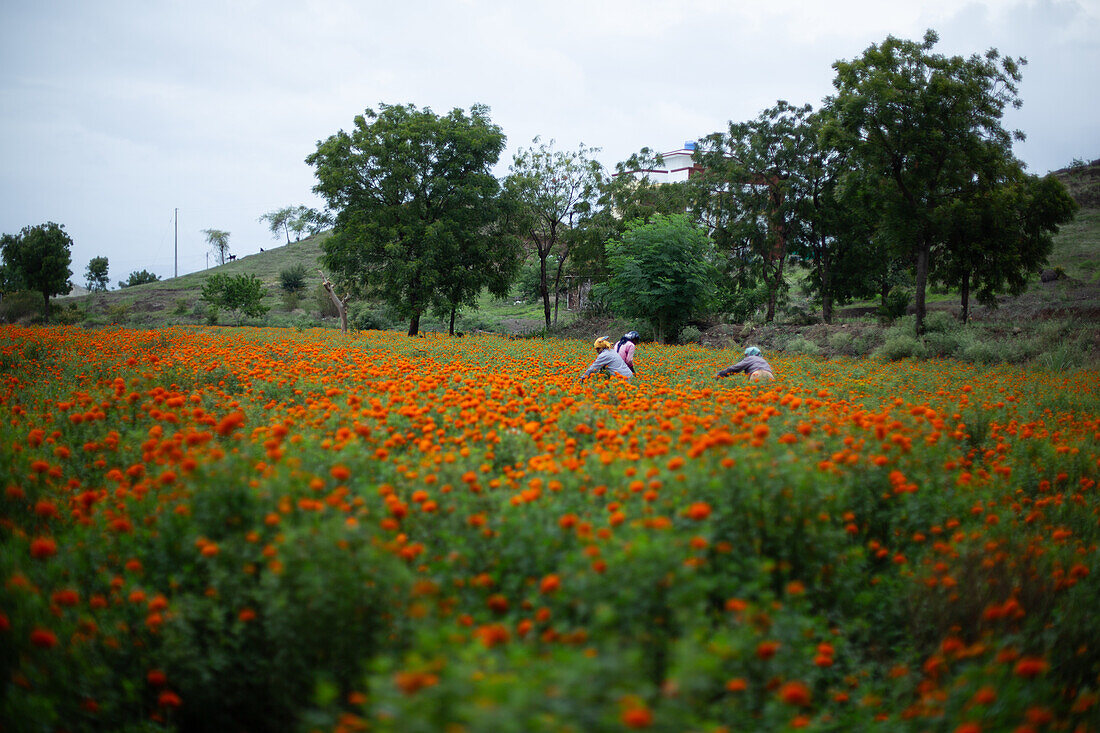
258,529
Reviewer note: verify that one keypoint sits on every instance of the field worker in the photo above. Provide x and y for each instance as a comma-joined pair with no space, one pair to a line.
753,364
625,348
607,359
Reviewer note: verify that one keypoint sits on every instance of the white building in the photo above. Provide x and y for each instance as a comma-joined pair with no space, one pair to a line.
676,166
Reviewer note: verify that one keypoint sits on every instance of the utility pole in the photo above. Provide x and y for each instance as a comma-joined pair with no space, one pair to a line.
176,270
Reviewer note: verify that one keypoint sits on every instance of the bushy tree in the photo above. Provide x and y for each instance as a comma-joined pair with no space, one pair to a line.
139,277
38,259
96,274
415,200
661,273
242,294
751,194
556,191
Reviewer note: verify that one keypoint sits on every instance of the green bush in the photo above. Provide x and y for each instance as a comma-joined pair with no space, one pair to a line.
291,301
940,322
842,342
897,301
323,302
901,345
368,317
690,335
242,294
293,279
20,305
802,345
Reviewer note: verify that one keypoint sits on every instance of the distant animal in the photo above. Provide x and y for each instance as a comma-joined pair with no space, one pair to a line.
232,257
261,249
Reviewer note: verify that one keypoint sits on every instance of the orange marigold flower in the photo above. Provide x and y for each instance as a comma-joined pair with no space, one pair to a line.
246,615
43,547
767,649
970,727
340,472
985,696
549,584
169,699
795,693
43,638
1029,667
637,716
156,677
737,684
698,511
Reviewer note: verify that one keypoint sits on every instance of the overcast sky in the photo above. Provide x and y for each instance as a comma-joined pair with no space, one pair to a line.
115,114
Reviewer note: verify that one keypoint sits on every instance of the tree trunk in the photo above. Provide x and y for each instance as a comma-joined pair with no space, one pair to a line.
964,293
921,282
826,292
341,303
414,324
544,289
453,310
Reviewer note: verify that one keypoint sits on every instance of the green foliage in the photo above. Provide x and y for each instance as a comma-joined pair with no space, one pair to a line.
689,335
96,274
38,258
293,278
242,294
139,277
20,305
368,317
802,345
661,273
894,305
901,345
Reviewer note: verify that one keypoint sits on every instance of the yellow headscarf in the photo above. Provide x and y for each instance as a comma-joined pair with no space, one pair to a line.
602,343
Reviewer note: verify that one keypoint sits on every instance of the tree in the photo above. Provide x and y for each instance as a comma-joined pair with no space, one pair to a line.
96,274
556,191
38,258
139,277
242,294
279,220
995,239
661,272
414,195
928,125
219,243
751,193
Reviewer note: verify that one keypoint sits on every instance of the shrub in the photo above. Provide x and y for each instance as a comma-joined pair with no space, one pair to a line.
293,279
20,305
900,345
690,335
842,342
802,345
368,317
291,300
242,294
895,305
940,322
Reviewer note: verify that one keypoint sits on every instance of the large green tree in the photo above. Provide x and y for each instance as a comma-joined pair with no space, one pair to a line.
556,191
751,192
662,272
96,274
414,196
928,125
38,258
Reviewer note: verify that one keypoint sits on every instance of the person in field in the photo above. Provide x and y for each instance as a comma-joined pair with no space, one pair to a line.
608,360
753,364
625,348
